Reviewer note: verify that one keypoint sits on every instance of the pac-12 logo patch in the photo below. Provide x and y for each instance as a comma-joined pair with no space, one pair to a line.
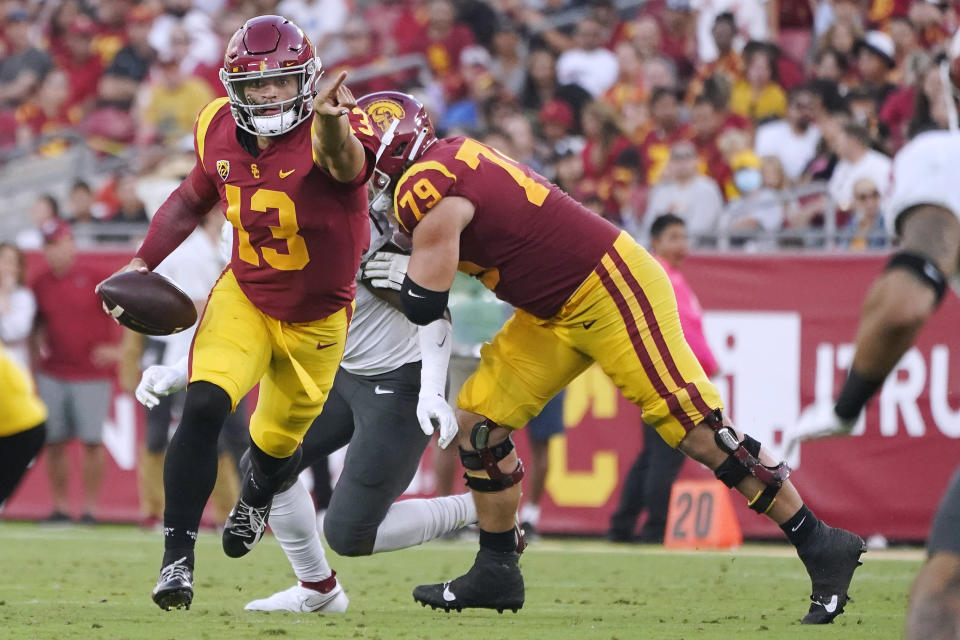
223,168
383,112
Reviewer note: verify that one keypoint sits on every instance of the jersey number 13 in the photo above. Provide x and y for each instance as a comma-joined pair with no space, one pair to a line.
261,201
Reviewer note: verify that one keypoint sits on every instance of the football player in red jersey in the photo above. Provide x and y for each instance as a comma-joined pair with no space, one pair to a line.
584,292
288,160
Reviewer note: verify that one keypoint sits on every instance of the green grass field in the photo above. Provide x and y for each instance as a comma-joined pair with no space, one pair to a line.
83,582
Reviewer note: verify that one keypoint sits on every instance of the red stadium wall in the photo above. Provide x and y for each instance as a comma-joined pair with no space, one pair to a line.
782,329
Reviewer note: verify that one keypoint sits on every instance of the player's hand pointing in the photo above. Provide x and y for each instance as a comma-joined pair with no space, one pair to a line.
334,99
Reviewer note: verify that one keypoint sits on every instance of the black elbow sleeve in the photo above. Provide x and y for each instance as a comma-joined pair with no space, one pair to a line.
421,306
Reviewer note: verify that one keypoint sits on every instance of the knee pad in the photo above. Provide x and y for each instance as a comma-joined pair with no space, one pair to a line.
743,459
485,458
206,406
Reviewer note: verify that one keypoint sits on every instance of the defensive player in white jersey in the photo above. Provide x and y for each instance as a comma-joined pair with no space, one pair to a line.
386,399
924,211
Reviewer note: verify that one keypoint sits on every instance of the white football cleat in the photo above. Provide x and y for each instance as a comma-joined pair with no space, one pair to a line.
302,600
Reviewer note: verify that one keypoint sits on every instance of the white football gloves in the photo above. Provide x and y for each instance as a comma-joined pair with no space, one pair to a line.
159,381
433,412
817,421
386,270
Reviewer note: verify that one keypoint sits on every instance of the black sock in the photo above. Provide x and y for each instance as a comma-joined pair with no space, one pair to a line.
190,467
267,474
171,555
800,526
506,541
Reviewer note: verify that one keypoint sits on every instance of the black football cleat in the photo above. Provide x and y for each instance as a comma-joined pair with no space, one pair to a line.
244,528
830,558
493,582
174,586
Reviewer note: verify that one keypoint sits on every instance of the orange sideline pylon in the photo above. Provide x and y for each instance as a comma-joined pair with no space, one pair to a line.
701,516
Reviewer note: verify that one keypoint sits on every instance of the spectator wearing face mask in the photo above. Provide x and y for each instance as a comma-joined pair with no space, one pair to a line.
760,211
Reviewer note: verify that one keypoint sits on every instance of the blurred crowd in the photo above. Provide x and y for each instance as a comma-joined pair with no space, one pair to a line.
759,122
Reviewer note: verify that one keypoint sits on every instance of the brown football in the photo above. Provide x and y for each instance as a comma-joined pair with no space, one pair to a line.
148,303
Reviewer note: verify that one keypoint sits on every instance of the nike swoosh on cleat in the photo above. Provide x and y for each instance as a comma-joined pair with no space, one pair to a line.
251,545
794,529
832,605
377,390
450,597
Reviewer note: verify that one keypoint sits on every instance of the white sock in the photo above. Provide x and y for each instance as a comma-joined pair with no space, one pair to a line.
530,513
294,524
412,522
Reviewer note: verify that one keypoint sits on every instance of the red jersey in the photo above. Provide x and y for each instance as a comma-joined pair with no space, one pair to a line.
74,323
298,232
528,241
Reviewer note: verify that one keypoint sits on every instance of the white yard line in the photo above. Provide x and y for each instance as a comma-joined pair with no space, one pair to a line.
132,535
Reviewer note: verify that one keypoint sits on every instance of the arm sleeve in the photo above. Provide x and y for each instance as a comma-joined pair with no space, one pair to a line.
17,324
178,216
435,355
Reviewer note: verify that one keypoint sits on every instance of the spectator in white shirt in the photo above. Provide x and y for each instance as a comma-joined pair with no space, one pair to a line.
589,64
857,160
686,193
755,20
793,139
17,305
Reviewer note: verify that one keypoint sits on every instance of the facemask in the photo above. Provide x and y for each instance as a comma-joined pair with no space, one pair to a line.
747,180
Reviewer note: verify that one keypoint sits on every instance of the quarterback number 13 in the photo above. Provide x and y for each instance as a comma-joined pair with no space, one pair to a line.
263,200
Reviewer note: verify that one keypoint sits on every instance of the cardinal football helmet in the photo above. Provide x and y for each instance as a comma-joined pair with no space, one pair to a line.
405,133
270,46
